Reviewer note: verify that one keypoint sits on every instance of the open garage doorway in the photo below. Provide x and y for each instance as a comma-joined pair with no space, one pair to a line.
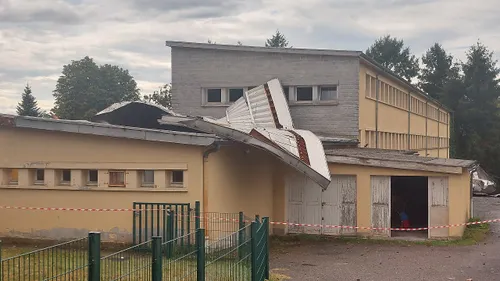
409,195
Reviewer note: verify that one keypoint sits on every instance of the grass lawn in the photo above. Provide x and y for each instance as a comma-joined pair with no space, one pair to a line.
127,265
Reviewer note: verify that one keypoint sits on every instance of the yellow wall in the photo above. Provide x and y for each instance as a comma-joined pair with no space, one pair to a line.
21,148
459,192
396,104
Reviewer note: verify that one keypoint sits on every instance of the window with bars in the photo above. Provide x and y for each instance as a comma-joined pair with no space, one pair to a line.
116,179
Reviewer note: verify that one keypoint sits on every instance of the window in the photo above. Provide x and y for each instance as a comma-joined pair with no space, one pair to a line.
39,176
65,176
148,178
304,94
328,93
13,176
117,178
214,95
286,91
92,177
235,94
177,178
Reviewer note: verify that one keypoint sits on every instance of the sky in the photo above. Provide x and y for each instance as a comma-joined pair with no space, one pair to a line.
38,37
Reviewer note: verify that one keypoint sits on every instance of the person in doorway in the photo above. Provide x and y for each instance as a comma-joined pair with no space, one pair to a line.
405,220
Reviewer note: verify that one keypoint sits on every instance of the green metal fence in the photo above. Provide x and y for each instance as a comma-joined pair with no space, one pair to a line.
152,219
239,255
64,261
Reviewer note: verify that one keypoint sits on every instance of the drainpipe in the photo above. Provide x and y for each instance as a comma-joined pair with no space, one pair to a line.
471,211
377,86
214,147
426,121
409,118
439,125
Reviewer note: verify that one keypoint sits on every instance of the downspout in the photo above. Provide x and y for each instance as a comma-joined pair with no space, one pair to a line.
409,118
214,147
439,125
377,83
426,120
471,211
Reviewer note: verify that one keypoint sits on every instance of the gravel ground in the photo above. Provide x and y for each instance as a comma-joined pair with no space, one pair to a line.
373,262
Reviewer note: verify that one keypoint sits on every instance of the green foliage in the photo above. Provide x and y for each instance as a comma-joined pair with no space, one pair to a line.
161,97
392,54
28,105
85,88
439,70
278,40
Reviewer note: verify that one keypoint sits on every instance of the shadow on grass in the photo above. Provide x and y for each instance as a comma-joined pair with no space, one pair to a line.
473,234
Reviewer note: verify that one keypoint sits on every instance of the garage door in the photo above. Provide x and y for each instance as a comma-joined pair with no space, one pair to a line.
381,204
438,206
308,203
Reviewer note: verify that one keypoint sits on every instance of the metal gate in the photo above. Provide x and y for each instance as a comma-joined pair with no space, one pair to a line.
168,220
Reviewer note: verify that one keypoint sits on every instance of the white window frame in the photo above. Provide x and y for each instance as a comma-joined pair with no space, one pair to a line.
89,182
61,180
222,95
143,179
37,181
328,86
177,184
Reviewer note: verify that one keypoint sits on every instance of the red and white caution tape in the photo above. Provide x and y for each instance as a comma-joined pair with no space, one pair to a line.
247,221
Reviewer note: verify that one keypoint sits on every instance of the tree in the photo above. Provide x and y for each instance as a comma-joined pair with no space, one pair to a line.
392,54
211,42
239,43
278,40
85,88
28,105
439,70
161,97
477,123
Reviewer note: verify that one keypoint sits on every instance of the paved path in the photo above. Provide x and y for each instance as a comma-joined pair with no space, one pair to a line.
372,262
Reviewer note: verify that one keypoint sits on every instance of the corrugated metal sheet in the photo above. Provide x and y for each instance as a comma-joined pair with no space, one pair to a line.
262,118
381,203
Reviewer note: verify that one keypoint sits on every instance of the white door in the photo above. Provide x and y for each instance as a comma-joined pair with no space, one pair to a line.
331,207
438,206
348,193
381,204
304,204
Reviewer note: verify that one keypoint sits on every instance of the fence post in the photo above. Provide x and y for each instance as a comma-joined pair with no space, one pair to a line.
157,259
170,232
253,242
200,254
241,237
265,221
197,213
94,252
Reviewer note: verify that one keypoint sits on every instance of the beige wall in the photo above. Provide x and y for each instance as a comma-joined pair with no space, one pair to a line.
405,120
26,149
459,192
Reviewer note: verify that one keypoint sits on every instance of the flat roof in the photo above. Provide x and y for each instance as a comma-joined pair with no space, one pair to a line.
304,51
397,160
103,129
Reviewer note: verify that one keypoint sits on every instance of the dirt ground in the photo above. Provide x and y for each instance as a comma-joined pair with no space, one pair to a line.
372,262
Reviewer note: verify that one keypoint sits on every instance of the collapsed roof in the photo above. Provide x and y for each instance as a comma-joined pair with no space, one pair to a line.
261,118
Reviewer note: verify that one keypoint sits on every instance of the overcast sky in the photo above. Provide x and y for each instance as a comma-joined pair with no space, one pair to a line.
37,37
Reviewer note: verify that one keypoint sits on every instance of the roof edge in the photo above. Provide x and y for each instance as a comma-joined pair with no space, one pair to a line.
228,47
102,129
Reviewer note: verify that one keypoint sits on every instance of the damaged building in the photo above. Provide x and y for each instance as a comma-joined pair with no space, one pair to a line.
319,137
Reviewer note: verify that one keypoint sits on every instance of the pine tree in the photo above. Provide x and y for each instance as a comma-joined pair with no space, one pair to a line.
278,40
28,105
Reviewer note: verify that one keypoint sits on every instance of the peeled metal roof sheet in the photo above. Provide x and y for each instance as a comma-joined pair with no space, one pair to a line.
262,118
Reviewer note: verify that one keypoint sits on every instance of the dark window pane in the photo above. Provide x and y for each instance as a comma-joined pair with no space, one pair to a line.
214,95
286,91
235,94
177,176
304,93
66,175
93,176
148,177
40,175
328,93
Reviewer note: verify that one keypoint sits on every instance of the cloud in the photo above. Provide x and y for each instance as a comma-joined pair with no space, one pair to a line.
38,37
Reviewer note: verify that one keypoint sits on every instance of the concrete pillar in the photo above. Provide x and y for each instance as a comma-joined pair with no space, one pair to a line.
102,178
78,178
132,179
160,179
50,178
26,177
